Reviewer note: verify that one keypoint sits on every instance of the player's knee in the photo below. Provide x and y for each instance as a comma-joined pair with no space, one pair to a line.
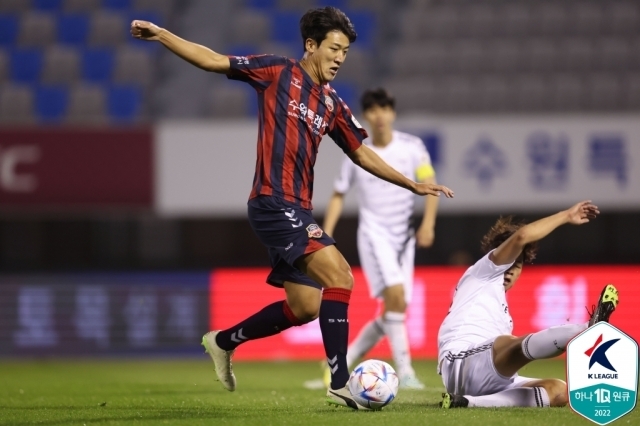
306,312
341,278
557,391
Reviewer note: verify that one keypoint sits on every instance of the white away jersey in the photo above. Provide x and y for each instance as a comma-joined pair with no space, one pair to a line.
385,208
479,310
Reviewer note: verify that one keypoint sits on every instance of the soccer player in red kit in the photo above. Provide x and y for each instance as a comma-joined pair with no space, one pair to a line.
297,106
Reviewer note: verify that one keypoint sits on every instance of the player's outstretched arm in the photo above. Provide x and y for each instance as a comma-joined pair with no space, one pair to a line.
577,214
371,162
196,54
334,210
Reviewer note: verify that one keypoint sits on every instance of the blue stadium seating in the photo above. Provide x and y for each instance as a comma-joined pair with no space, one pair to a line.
340,4
97,64
51,103
261,4
73,28
286,27
26,65
364,23
124,103
8,29
347,93
116,4
46,5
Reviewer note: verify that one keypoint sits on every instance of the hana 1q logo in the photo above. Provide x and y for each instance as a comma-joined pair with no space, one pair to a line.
602,373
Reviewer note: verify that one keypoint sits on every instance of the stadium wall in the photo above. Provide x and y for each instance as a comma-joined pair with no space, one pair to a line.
164,313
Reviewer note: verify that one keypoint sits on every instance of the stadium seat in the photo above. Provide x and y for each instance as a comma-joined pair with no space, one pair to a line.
51,103
632,95
622,17
289,50
357,67
26,65
231,100
567,91
13,6
9,25
504,56
340,4
470,56
124,103
365,25
37,29
300,6
348,92
4,66
116,4
107,29
493,93
249,27
576,55
532,93
73,28
542,55
516,18
48,5
132,66
16,104
552,19
613,54
415,93
161,7
87,105
97,65
61,65
261,4
604,92
81,5
479,20
285,27
586,19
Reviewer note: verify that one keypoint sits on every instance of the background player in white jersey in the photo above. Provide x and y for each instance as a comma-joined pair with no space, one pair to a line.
386,239
478,357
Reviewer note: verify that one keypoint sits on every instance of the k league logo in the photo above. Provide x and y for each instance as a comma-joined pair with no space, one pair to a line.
602,373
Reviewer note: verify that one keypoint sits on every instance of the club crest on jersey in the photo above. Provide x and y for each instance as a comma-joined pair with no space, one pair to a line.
314,231
329,103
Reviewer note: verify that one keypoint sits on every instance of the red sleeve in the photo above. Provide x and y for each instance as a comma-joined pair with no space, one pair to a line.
346,132
257,70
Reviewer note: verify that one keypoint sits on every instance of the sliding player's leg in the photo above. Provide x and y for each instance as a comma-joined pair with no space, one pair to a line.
532,393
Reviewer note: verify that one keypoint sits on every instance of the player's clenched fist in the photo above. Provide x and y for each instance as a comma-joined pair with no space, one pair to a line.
145,30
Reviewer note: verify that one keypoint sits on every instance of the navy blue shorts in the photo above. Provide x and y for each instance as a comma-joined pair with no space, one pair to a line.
289,232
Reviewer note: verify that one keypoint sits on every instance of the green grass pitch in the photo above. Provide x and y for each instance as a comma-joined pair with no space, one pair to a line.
184,392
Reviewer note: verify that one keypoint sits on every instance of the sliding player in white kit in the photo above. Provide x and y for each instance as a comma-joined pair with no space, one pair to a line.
386,239
478,357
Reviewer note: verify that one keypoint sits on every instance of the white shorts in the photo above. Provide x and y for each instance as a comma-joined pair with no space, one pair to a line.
385,266
472,372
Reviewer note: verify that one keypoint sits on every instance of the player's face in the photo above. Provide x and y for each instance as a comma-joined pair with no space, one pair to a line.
380,118
512,275
329,56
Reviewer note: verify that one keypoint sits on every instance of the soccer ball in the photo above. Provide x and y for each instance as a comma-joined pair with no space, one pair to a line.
373,384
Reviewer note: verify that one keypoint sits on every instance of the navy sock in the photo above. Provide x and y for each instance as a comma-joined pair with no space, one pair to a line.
270,320
334,325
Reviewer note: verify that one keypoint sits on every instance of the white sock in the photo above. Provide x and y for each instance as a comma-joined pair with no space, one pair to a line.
368,337
550,342
396,330
517,397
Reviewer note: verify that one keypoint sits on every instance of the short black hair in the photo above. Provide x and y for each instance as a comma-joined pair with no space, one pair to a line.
317,23
377,97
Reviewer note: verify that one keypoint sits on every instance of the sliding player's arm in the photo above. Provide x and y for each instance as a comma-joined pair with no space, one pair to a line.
366,158
196,54
510,250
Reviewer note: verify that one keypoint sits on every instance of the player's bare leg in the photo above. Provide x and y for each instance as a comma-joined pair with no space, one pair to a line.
395,328
329,268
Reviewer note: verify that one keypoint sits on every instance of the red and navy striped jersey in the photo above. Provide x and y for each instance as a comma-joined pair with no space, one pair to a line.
294,113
